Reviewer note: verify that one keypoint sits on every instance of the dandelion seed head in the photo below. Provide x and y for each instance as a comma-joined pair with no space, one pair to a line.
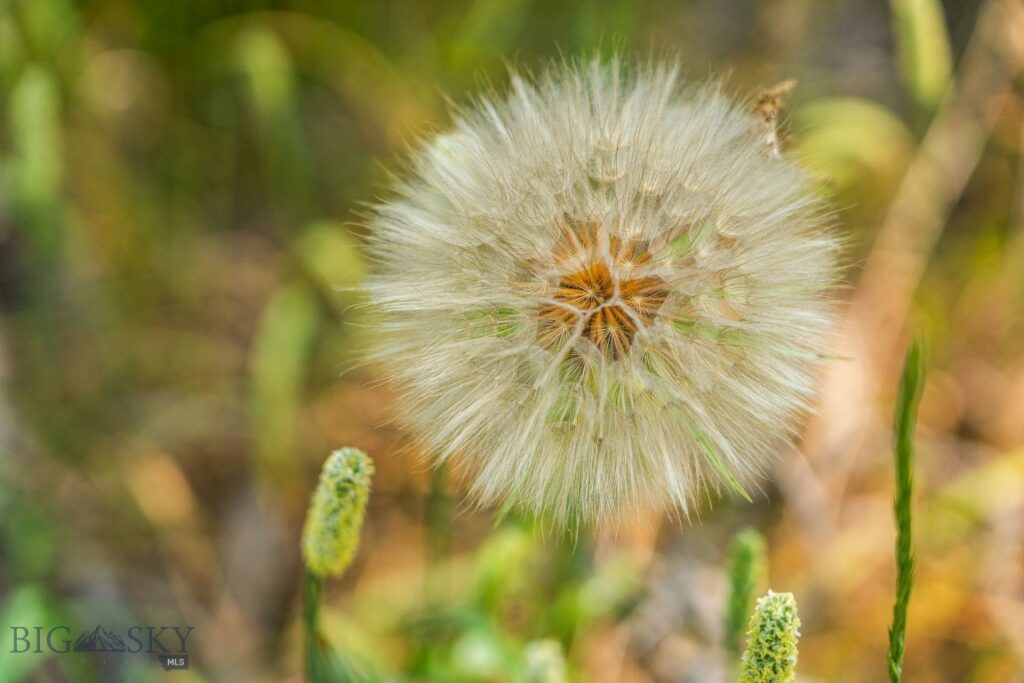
602,290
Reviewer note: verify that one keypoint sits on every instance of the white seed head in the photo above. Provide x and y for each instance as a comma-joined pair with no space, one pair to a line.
602,291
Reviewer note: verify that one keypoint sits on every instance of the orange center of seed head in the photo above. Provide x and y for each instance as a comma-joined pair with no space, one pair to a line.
600,298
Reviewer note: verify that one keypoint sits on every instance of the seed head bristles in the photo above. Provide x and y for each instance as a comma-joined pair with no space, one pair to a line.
602,291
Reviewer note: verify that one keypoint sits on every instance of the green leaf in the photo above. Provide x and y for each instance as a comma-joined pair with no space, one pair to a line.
279,361
330,256
34,112
926,59
847,139
25,606
265,61
488,28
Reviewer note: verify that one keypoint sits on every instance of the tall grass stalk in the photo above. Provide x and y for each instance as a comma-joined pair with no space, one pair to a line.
903,445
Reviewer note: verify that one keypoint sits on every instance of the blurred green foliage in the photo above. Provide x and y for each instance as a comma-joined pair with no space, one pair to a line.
926,59
748,576
525,587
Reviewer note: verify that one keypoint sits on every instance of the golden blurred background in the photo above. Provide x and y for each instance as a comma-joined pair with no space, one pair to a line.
181,334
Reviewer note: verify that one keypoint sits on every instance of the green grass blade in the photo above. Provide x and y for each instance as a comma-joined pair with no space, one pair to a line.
903,444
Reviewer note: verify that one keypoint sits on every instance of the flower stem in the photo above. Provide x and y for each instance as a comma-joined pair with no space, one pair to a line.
439,520
312,588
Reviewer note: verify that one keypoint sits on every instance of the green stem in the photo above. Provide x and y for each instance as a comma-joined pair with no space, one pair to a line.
312,588
903,443
747,574
439,521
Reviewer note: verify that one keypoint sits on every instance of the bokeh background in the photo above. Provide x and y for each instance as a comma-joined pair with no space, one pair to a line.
180,329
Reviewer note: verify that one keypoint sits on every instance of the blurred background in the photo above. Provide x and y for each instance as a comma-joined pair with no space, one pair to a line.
180,249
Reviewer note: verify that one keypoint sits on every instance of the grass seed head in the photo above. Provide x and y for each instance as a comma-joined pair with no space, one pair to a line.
335,518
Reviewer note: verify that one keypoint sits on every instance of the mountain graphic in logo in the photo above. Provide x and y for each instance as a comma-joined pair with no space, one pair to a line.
99,640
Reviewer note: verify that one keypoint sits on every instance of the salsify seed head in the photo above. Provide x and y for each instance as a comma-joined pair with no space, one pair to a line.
602,290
